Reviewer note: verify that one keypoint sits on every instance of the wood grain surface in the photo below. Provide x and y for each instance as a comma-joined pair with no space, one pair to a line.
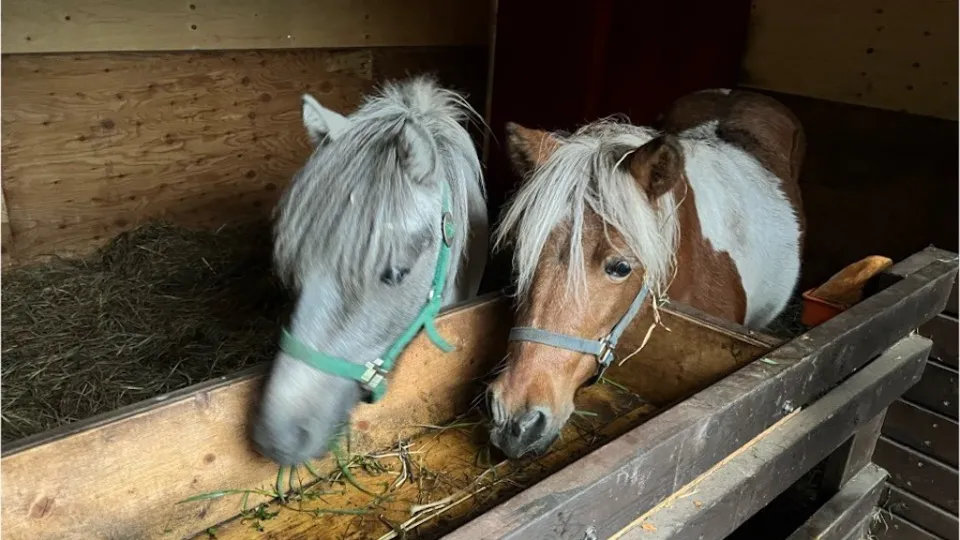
899,55
94,144
44,26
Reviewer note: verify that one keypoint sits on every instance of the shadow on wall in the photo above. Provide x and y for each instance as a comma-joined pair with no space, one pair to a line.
874,182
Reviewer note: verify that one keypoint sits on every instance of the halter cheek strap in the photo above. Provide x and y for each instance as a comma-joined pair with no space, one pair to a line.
603,348
372,375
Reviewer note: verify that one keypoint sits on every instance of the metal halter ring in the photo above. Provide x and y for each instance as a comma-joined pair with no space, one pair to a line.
446,228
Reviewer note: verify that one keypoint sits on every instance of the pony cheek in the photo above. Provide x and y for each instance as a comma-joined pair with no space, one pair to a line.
582,372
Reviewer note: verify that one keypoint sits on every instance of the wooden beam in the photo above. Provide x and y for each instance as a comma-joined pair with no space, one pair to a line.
95,144
923,430
845,511
633,473
891,54
48,26
916,510
918,474
862,530
716,505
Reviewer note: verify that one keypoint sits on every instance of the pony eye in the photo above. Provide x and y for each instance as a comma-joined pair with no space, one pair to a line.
394,275
618,269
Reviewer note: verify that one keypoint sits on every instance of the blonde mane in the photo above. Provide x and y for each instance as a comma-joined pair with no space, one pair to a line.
585,173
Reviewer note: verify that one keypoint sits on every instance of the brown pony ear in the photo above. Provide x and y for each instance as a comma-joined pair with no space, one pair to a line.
657,165
528,148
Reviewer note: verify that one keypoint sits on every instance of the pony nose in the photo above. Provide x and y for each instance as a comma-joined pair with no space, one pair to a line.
533,422
286,445
530,432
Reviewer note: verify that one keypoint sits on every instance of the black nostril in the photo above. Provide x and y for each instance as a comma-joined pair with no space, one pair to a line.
303,437
533,420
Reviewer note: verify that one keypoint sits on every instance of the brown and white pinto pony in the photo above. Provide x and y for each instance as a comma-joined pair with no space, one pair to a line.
706,212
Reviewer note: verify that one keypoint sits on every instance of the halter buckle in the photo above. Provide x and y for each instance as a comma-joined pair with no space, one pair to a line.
374,376
604,359
447,229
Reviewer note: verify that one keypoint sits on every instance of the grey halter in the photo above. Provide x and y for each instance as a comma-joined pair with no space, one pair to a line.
602,348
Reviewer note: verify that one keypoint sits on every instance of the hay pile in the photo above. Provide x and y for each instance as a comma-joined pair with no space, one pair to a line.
158,309
788,325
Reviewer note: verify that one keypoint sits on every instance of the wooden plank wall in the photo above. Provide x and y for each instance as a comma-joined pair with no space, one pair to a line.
45,26
95,143
918,446
899,55
874,182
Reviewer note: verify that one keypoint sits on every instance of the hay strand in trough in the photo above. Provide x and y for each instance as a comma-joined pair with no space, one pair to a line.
159,308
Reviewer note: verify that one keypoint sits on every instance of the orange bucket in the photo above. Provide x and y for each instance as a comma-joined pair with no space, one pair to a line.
841,291
817,311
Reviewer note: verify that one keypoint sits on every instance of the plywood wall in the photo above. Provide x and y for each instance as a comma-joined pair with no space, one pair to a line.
114,122
45,26
94,144
899,55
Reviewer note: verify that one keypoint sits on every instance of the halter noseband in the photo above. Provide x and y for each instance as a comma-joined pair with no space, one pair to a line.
603,348
372,375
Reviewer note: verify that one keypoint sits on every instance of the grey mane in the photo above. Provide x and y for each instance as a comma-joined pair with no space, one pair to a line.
346,209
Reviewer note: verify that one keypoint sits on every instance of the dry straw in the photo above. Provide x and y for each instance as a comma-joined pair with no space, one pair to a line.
157,309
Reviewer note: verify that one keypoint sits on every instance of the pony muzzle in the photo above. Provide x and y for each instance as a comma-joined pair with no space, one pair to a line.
531,432
528,430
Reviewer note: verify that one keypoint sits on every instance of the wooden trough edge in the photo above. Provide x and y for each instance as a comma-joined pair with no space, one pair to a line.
738,487
138,461
253,374
607,489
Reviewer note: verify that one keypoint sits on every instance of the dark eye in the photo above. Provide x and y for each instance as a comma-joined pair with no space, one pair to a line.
618,268
394,275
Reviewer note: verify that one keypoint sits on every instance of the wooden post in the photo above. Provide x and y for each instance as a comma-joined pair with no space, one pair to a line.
853,455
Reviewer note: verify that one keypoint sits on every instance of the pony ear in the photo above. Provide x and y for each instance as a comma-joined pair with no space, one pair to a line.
528,148
320,121
657,165
416,151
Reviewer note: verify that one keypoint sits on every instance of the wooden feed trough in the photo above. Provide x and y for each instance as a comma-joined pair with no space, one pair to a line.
95,144
734,418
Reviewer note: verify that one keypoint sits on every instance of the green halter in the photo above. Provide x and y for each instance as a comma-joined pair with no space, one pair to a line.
372,375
